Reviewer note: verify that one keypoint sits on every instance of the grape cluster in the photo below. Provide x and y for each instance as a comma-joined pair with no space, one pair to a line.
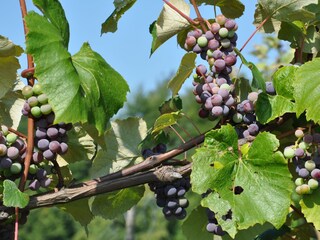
158,149
170,197
305,155
216,43
12,156
213,226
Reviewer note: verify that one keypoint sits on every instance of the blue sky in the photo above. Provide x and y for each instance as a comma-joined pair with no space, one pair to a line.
128,49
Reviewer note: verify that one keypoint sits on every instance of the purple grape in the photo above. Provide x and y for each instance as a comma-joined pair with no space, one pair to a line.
209,35
41,123
217,54
50,118
249,118
308,138
204,96
226,110
49,155
224,93
41,174
172,203
203,113
230,60
230,101
299,152
213,44
181,191
247,106
62,131
270,88
230,24
41,133
160,148
197,49
13,153
43,144
315,173
217,111
52,133
37,157
216,100
198,89
45,182
5,162
63,148
253,129
170,191
303,172
316,138
201,70
54,146
211,227
34,185
197,33
219,64
178,211
208,104
183,202
26,107
221,81
191,41
234,38
145,152
166,211
215,27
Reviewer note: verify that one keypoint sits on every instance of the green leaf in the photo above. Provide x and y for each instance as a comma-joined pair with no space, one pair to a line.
195,225
283,81
310,207
293,32
306,90
84,216
111,24
12,196
11,105
283,10
9,64
257,78
166,120
169,23
80,146
229,8
54,12
82,88
262,174
172,105
112,204
242,88
269,107
185,69
122,141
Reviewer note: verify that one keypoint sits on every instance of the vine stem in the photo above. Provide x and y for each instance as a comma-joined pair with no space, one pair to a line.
17,133
255,31
200,18
190,20
30,140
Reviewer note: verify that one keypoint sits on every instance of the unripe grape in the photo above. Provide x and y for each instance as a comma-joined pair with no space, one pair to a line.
33,169
33,101
5,130
27,91
16,168
310,165
253,96
225,43
221,19
202,41
288,152
3,150
303,145
36,111
299,181
11,138
237,117
299,133
37,89
313,184
42,98
223,32
46,109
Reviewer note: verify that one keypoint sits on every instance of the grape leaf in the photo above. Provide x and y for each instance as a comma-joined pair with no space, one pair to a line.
110,205
242,88
310,207
229,8
307,90
84,216
169,23
82,88
283,81
11,105
195,225
80,146
283,10
257,79
269,107
9,64
122,140
54,12
172,105
262,174
12,196
111,24
65,172
166,120
185,69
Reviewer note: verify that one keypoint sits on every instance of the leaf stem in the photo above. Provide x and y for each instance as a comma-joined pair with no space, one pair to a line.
199,17
190,20
255,31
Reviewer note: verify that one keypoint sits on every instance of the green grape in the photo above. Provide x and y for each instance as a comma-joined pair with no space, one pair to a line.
43,98
295,197
310,165
237,117
223,32
299,133
202,41
304,145
225,43
303,189
33,101
37,89
231,34
313,184
15,168
45,109
299,181
27,91
33,169
288,152
221,19
36,111
3,150
225,86
11,138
